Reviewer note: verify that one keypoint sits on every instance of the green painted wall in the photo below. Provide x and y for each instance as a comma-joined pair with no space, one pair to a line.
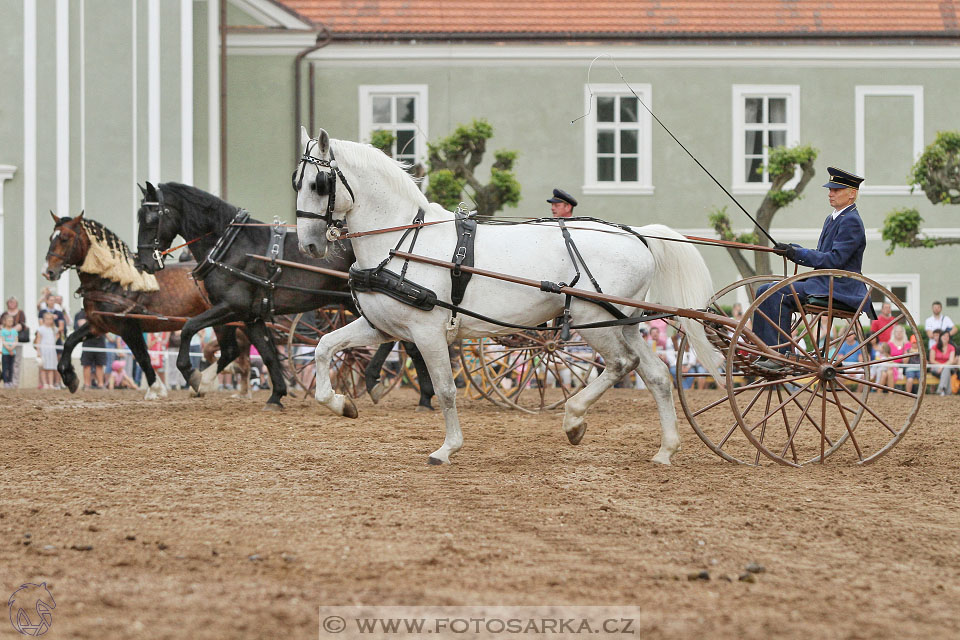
11,143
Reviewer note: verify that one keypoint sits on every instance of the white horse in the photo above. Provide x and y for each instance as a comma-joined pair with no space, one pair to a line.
372,191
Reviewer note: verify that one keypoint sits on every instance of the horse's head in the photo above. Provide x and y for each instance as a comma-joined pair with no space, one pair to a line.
320,207
157,226
68,246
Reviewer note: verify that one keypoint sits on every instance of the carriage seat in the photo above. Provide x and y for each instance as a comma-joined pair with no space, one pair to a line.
819,304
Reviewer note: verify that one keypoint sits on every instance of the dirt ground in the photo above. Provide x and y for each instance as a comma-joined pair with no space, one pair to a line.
206,518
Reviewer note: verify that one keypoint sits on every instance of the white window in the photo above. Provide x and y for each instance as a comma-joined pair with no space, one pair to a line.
889,123
401,110
763,117
903,285
618,150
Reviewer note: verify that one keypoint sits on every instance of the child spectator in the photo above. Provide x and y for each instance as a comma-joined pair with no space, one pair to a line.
46,343
8,348
118,376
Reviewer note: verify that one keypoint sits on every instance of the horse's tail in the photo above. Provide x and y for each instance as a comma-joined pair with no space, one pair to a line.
682,280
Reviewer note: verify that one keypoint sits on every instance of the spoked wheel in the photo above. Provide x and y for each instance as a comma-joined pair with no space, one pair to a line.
832,389
534,371
347,367
475,374
706,407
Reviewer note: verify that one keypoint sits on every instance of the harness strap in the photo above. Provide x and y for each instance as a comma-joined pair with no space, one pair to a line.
462,255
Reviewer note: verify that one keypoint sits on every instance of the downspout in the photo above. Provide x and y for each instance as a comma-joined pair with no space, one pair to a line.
223,99
323,39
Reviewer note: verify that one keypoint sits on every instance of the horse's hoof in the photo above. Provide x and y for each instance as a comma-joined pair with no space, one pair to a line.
273,406
350,409
576,435
422,408
377,392
73,384
195,379
434,461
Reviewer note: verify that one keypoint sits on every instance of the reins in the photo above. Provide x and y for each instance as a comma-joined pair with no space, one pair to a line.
187,243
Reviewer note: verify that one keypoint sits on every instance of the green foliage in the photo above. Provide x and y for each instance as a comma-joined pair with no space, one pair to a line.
937,171
901,228
444,189
783,160
383,140
453,161
720,222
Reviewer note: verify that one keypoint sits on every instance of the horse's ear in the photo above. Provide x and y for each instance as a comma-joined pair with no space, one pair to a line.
56,220
80,217
323,142
142,190
151,190
304,137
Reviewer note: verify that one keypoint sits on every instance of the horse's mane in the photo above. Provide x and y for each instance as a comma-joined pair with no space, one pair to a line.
367,157
109,257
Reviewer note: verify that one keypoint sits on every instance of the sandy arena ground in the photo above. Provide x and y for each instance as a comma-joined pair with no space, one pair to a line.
206,518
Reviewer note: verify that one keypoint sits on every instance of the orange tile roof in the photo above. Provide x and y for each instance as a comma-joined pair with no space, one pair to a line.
612,18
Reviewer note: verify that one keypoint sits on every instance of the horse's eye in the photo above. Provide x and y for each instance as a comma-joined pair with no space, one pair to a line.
151,217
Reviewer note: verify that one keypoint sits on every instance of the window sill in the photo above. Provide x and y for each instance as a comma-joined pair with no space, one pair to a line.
617,190
889,190
752,189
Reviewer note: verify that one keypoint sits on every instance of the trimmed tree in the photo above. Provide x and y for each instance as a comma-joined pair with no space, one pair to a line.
452,173
783,164
937,173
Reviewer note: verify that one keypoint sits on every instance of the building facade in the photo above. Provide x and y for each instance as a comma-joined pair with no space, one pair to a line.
103,94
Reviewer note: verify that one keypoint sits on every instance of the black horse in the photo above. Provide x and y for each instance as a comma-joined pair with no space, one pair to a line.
241,288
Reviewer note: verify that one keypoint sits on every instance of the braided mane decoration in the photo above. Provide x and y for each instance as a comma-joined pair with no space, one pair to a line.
109,257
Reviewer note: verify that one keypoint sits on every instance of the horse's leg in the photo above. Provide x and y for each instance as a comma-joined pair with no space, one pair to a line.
218,314
133,336
229,350
65,365
423,376
656,375
619,358
260,336
436,355
242,365
358,333
371,374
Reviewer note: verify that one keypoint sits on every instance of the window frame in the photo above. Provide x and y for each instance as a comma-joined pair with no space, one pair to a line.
910,281
420,123
644,184
740,93
861,93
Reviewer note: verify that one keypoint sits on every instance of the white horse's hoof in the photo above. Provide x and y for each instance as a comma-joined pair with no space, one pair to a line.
150,395
576,435
208,380
663,457
377,393
155,391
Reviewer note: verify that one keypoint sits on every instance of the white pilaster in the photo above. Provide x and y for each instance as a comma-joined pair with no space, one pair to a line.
30,266
6,173
213,91
186,91
153,91
63,129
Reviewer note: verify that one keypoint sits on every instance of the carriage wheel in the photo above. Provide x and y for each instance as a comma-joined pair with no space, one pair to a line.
411,379
534,371
347,367
474,373
807,412
706,407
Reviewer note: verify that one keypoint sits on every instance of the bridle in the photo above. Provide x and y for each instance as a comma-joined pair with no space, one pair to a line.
64,258
326,185
161,210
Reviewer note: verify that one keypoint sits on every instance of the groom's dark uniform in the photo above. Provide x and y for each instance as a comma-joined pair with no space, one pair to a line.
841,245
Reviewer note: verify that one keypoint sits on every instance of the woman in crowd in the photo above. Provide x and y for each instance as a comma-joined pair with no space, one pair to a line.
23,335
942,355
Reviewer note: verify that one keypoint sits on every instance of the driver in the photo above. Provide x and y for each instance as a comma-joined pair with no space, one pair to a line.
561,204
841,245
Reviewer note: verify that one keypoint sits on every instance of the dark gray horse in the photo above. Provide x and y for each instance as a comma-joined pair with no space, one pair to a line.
240,288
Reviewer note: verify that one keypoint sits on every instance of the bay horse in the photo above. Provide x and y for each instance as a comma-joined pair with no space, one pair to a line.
240,288
111,283
341,182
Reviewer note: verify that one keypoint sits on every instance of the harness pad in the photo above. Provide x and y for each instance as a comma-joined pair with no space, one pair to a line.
392,284
462,256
